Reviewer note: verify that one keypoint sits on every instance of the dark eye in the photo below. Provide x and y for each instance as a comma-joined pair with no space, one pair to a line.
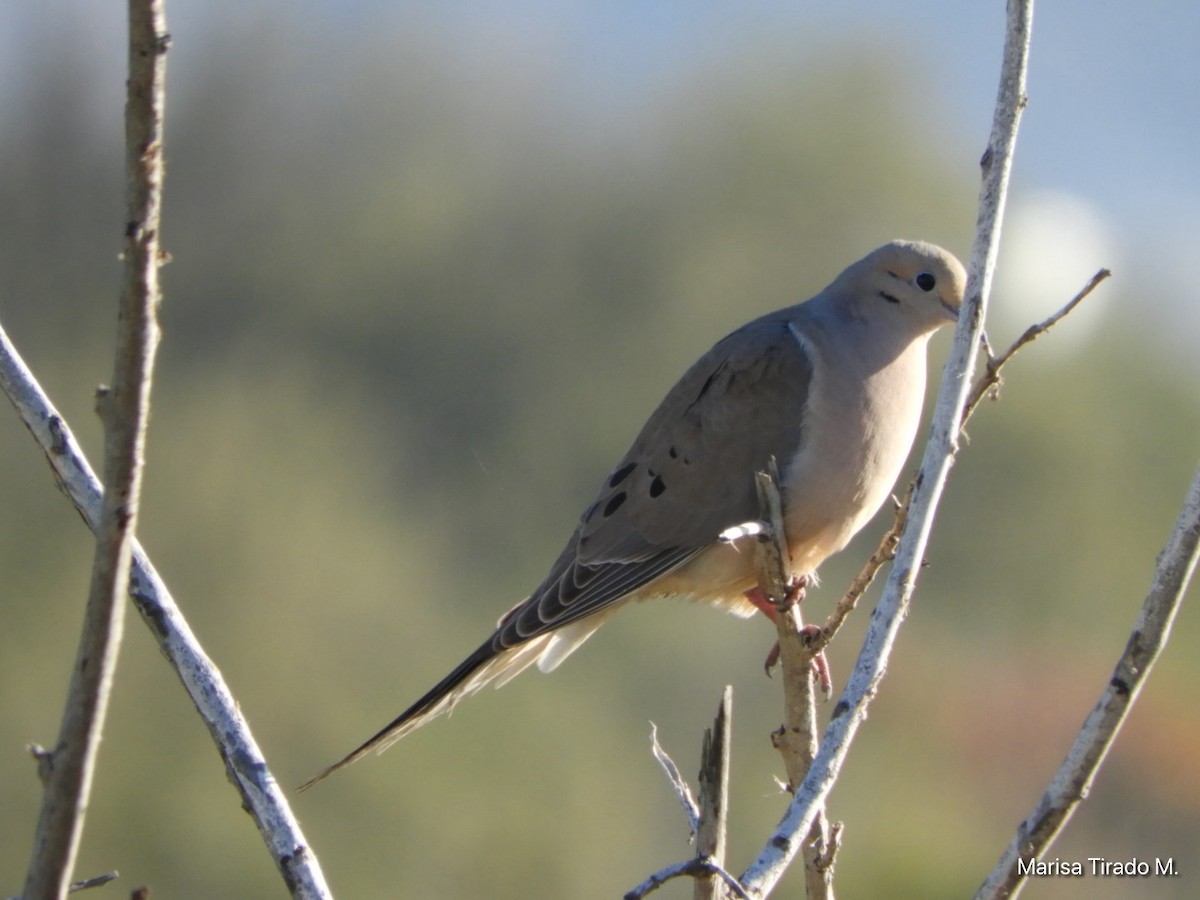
925,281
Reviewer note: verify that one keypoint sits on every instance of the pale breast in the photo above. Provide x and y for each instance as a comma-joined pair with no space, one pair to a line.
860,421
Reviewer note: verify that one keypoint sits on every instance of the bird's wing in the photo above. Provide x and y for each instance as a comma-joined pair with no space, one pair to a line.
688,476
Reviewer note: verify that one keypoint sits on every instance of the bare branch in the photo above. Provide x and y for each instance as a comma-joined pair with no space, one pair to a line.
1073,780
697,868
868,672
124,408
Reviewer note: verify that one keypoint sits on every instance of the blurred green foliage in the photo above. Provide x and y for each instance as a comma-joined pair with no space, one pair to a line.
413,315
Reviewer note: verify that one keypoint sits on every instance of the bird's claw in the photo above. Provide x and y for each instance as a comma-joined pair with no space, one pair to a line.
810,634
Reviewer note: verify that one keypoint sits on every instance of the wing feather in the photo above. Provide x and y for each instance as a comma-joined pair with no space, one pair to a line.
688,476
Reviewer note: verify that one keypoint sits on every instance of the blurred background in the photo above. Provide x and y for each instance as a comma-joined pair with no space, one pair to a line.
433,264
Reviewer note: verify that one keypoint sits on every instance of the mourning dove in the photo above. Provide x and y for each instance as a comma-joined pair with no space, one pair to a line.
832,388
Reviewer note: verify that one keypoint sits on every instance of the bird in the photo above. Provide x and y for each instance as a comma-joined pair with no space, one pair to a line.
832,388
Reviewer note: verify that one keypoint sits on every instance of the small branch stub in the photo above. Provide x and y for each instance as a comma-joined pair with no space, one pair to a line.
714,799
706,819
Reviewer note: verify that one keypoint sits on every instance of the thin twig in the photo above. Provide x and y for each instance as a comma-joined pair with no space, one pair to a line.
1073,780
124,408
990,380
765,872
85,883
683,793
885,551
94,881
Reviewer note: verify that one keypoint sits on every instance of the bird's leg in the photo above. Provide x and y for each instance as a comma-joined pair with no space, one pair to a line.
820,663
772,659
796,589
794,594
756,596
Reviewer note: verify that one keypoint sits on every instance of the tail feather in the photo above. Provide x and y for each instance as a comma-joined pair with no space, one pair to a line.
483,666
439,700
486,665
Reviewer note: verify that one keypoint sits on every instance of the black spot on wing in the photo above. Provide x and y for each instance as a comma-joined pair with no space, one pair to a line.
674,453
657,486
614,503
621,474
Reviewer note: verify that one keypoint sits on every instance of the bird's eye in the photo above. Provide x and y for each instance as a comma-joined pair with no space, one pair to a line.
925,281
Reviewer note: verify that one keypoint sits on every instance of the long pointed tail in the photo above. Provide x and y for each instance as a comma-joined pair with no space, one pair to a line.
440,699
491,662
485,665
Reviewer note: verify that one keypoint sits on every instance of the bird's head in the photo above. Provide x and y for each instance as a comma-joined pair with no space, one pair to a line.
921,283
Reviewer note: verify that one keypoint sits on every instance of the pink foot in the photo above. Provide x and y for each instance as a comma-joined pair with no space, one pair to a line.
795,594
820,664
